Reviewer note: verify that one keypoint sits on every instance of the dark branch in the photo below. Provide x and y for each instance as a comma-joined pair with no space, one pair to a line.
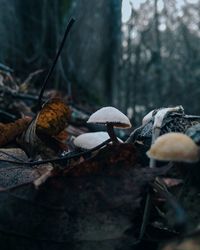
69,26
71,155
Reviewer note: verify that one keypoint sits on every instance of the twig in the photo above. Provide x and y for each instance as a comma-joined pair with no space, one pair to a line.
8,115
2,189
69,26
181,215
71,155
14,94
31,75
6,68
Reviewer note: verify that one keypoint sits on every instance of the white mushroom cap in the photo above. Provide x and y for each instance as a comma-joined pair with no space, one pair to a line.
174,147
90,140
110,115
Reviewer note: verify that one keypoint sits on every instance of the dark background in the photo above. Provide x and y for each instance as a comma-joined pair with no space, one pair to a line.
151,60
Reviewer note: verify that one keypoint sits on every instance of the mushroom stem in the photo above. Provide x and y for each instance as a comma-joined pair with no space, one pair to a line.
111,133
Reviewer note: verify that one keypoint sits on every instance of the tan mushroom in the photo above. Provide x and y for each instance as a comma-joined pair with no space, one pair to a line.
111,117
174,147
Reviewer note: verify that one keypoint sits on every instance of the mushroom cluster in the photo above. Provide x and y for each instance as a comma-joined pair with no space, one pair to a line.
182,146
168,147
109,116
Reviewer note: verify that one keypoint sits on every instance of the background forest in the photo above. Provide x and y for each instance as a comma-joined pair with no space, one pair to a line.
66,180
136,55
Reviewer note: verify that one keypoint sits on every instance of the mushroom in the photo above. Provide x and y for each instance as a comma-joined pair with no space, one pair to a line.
174,147
90,140
112,117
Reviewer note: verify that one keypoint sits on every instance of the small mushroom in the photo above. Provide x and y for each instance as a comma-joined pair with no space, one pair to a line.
90,140
112,117
174,147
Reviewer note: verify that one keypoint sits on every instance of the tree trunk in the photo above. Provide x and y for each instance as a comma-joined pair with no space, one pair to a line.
93,47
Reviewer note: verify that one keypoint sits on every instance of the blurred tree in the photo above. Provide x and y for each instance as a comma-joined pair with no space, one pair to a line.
163,41
154,62
94,46
31,32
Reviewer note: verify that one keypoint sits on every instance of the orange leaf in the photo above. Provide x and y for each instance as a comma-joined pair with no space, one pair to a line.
53,117
62,136
11,130
61,140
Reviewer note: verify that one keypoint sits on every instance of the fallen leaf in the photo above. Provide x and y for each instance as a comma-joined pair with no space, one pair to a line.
29,140
53,117
45,171
13,154
111,160
62,136
42,134
172,182
44,146
13,174
11,130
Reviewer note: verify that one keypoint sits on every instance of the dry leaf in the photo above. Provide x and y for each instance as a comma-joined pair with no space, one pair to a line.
40,138
14,174
123,156
172,182
62,136
29,140
13,154
11,130
53,117
45,171
43,146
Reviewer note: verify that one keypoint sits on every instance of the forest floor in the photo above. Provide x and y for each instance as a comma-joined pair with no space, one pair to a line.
54,195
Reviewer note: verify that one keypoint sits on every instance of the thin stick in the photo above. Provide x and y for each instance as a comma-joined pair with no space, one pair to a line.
147,208
180,214
57,160
69,26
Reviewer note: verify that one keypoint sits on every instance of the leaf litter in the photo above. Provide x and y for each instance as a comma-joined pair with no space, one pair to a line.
63,194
